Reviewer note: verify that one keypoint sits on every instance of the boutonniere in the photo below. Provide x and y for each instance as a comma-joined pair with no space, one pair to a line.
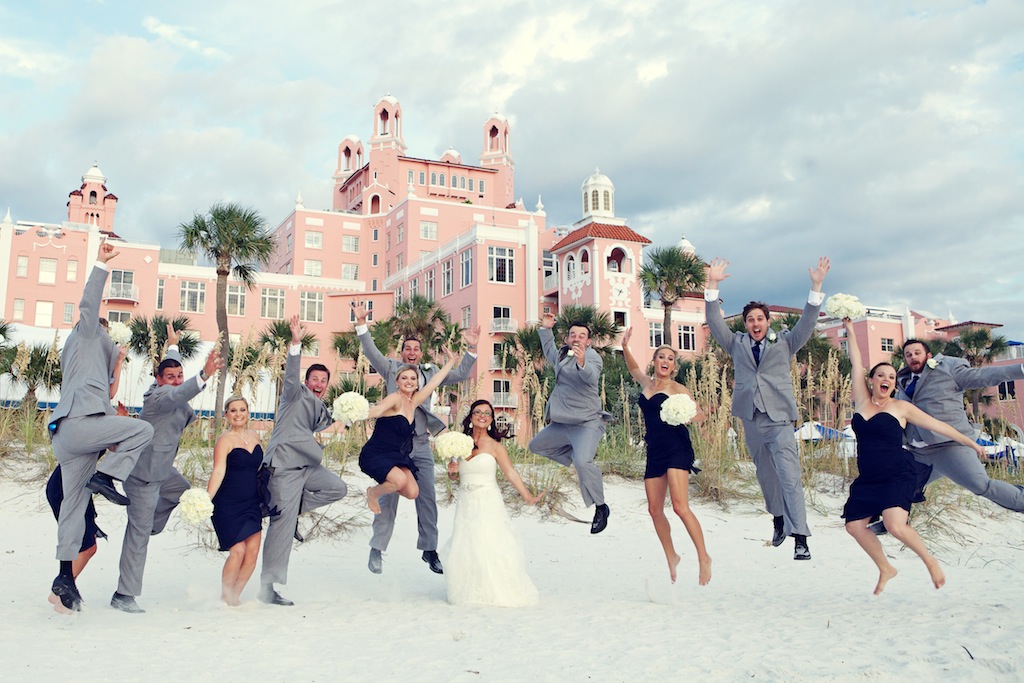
571,353
425,366
772,337
932,363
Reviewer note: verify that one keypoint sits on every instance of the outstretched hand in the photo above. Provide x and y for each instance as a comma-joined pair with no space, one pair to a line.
716,272
214,362
296,328
818,274
359,310
547,321
626,336
471,335
172,335
106,251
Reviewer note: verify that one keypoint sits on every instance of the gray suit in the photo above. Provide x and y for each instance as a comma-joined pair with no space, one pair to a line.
940,393
155,486
84,420
300,482
575,417
763,400
425,423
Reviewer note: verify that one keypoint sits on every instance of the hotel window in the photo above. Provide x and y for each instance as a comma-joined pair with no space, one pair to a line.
387,269
160,294
466,317
655,333
470,184
620,319
44,314
466,268
373,285
314,239
428,285
69,314
368,304
22,270
501,264
272,303
462,183
440,180
119,317
19,310
193,297
350,243
387,241
1007,391
349,271
72,270
481,187
412,175
376,234
399,296
433,178
428,230
423,178
401,233
236,299
844,346
607,200
374,260
48,272
311,307
414,287
312,268
888,345
446,278
400,261
122,284
687,338
314,348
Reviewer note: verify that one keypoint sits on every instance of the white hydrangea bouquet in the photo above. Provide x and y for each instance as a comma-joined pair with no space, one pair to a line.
678,409
845,306
350,407
119,333
195,507
453,445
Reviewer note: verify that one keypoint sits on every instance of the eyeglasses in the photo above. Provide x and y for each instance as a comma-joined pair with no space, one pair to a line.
485,413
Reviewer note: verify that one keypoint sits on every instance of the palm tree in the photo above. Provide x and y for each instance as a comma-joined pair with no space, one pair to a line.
603,330
979,347
275,340
670,273
236,239
150,336
521,348
346,345
424,319
35,367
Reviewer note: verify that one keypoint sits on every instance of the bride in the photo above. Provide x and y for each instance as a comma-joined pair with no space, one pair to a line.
483,562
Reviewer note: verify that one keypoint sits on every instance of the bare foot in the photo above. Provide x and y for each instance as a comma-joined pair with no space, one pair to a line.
372,501
938,577
705,571
884,576
673,563
58,606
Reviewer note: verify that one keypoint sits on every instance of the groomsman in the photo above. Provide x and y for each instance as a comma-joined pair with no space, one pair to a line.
155,486
936,386
763,399
426,423
574,413
84,424
300,482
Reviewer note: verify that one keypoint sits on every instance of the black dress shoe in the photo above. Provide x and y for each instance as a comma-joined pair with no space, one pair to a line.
103,484
270,596
126,603
878,528
298,537
800,549
431,558
376,563
600,519
67,592
780,534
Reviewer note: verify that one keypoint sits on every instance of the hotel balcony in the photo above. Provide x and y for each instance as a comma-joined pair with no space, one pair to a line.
505,400
504,325
115,292
550,282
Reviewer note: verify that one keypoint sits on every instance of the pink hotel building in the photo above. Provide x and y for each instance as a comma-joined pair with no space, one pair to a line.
397,226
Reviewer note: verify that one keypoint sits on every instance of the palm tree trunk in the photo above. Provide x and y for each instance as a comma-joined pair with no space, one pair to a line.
222,328
666,329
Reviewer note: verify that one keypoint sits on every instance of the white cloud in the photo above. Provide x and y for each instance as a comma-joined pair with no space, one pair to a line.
175,35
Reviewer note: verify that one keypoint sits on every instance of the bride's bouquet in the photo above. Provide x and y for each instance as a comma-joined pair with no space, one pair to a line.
453,445
119,333
195,507
845,306
678,409
350,407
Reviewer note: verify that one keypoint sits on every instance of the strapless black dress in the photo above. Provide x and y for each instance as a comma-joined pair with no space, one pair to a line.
389,446
668,446
236,506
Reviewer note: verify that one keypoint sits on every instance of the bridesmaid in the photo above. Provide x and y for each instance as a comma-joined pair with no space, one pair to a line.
234,490
669,456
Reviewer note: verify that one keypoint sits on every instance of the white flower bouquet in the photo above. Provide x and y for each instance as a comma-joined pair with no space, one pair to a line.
845,306
453,445
350,407
195,506
119,333
678,409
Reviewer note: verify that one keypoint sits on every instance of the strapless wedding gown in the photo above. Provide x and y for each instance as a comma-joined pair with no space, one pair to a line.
483,561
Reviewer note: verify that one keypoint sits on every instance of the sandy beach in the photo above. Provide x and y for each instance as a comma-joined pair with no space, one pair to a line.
607,610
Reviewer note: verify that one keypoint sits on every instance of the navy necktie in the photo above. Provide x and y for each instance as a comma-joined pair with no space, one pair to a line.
757,353
911,385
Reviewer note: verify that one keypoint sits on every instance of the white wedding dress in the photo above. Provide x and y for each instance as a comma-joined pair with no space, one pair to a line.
483,561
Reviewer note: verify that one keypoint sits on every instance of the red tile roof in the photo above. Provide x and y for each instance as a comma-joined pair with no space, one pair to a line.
604,231
967,324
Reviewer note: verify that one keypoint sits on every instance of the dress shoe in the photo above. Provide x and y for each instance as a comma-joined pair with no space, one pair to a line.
878,528
298,536
125,603
67,592
376,563
103,484
600,519
431,558
800,549
270,596
780,534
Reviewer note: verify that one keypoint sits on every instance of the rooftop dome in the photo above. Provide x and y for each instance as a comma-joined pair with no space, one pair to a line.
94,175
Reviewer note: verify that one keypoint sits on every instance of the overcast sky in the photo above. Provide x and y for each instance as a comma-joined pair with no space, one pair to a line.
887,135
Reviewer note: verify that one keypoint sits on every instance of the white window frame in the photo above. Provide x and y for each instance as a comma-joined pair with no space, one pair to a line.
314,239
496,258
236,299
311,307
192,296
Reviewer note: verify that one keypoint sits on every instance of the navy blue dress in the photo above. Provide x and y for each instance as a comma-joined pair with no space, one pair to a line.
889,475
236,505
668,446
389,446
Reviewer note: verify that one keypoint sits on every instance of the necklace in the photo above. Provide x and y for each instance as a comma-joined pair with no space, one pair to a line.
241,435
883,403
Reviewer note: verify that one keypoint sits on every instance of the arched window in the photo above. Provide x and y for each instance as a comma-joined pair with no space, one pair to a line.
570,267
617,261
347,156
584,262
492,139
462,183
433,178
375,204
383,130
440,180
92,197
607,200
586,203
594,200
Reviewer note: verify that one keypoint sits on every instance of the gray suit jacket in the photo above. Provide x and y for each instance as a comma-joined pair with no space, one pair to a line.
771,378
425,421
88,358
299,415
940,393
576,396
167,409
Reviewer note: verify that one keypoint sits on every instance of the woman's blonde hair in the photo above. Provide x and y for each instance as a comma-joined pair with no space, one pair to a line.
231,399
667,347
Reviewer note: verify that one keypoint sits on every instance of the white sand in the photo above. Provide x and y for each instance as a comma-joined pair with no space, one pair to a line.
607,611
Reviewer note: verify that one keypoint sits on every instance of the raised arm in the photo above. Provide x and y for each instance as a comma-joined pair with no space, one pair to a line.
189,389
89,305
634,368
461,373
804,328
435,381
547,338
858,386
505,463
377,360
712,309
292,383
919,418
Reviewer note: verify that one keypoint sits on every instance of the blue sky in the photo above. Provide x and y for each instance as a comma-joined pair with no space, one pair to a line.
885,135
